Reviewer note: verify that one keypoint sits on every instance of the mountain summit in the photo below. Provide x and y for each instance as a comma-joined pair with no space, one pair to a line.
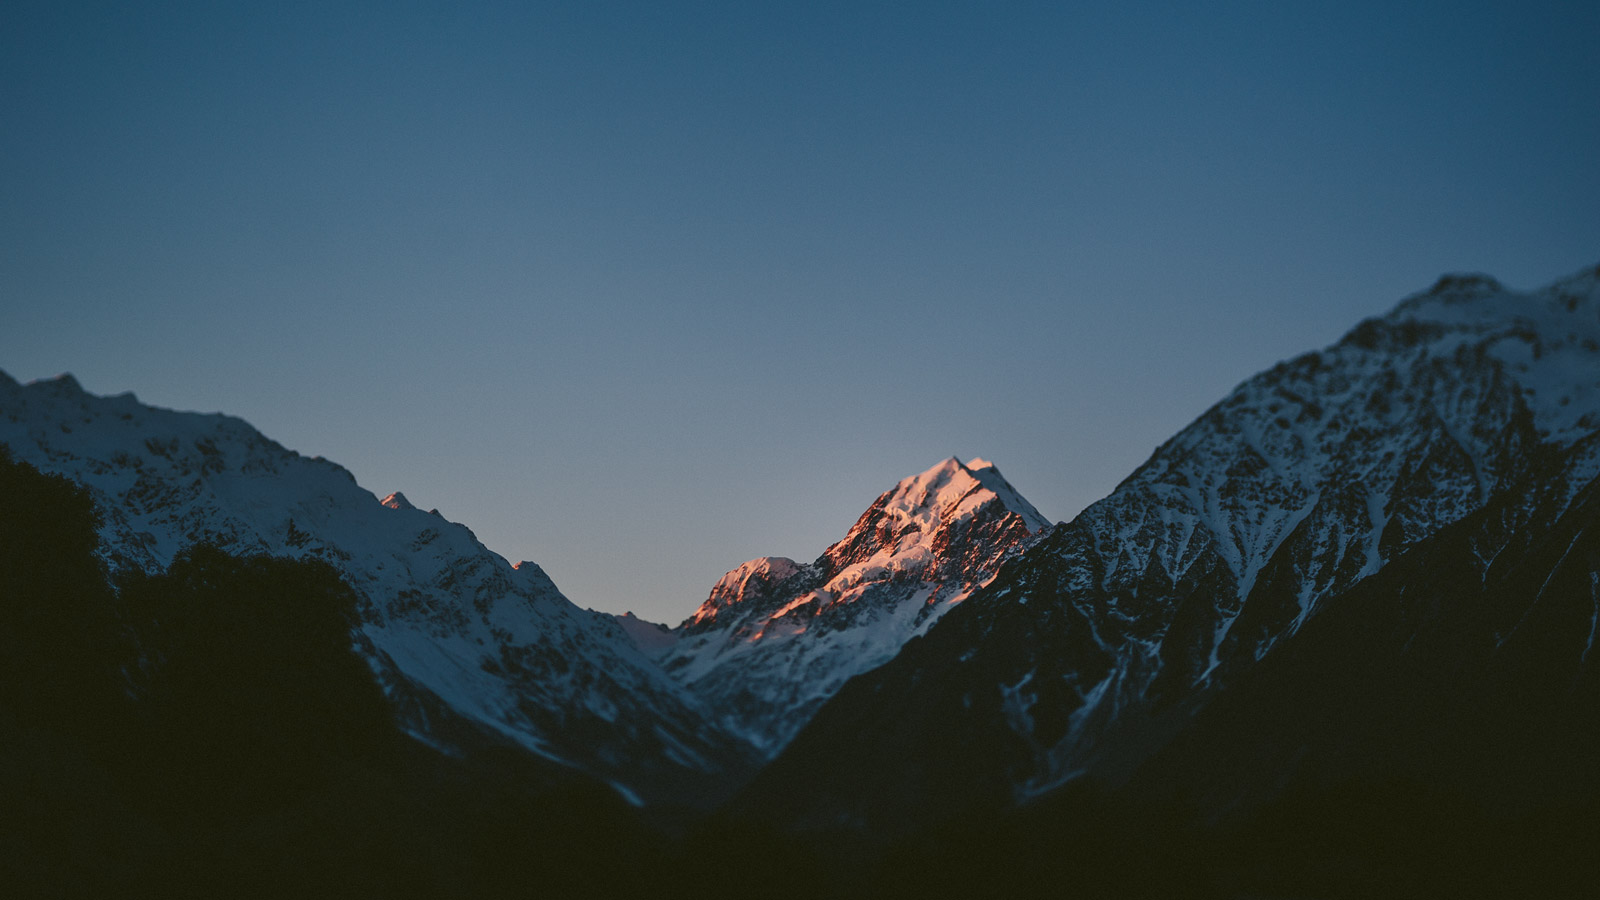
776,638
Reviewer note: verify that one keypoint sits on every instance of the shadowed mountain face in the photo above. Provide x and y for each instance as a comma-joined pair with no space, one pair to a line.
776,639
1468,665
210,730
452,629
1096,646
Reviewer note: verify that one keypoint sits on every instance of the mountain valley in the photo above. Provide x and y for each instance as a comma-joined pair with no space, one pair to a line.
1362,589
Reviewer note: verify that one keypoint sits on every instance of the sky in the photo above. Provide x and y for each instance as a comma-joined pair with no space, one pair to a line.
639,291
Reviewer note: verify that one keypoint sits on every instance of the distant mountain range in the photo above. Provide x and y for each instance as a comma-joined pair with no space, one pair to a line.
1375,563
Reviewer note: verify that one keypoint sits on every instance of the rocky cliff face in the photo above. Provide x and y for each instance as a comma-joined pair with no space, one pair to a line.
1099,644
451,628
776,639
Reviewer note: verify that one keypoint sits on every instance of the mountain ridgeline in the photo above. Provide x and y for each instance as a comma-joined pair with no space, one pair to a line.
461,640
1337,637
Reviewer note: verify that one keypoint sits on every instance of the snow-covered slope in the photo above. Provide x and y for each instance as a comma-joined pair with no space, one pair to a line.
775,638
445,620
1090,650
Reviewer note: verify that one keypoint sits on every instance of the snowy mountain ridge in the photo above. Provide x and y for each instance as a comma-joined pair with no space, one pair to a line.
1313,475
448,625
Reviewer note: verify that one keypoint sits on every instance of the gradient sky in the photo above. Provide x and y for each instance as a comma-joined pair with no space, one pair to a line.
640,291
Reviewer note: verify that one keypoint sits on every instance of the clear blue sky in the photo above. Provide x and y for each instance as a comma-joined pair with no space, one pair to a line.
639,291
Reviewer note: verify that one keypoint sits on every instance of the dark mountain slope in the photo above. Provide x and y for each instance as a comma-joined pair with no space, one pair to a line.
1468,665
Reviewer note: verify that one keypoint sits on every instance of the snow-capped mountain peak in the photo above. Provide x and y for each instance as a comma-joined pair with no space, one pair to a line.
775,638
914,525
952,490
